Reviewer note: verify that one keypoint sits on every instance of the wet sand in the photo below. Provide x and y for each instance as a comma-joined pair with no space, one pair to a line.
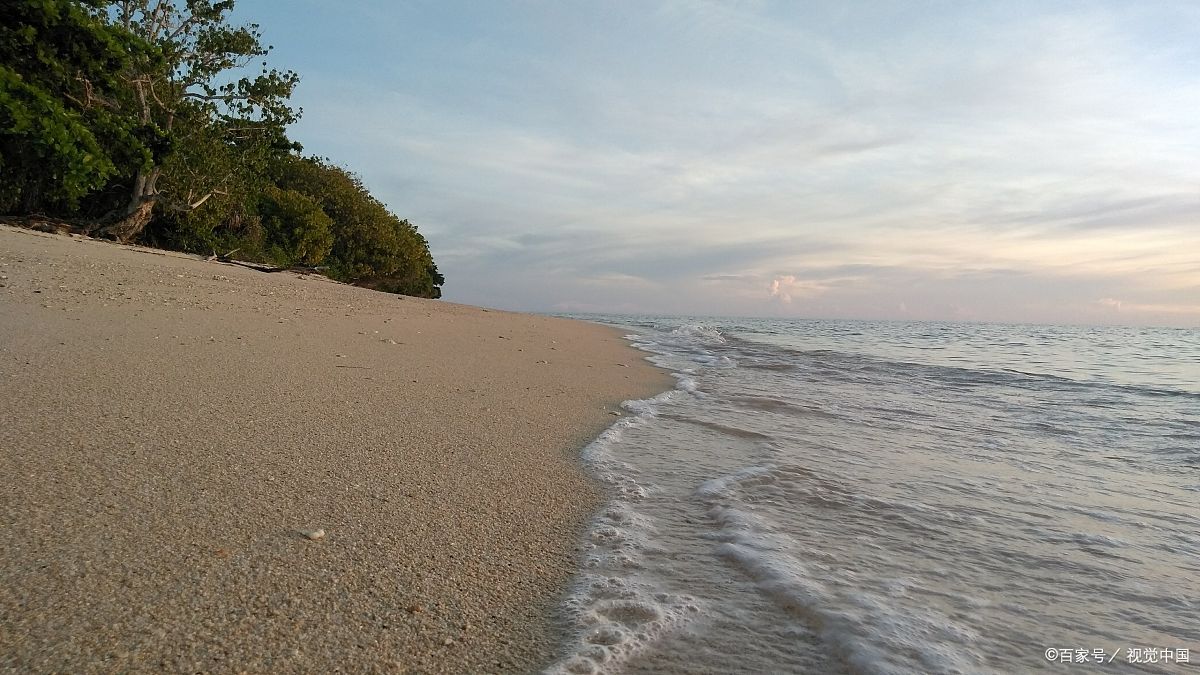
170,427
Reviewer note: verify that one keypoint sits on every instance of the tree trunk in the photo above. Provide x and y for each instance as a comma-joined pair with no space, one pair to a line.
132,223
136,215
31,194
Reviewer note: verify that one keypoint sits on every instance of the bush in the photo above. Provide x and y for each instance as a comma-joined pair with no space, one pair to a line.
371,246
297,231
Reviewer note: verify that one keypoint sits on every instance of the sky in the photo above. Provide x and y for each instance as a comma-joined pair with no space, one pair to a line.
981,161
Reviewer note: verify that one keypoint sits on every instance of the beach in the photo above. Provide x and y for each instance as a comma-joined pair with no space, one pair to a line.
212,468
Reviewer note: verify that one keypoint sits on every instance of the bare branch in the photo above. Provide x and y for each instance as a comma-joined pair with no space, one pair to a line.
197,204
183,26
158,18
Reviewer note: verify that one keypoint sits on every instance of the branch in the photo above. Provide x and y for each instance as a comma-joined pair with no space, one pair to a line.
90,96
182,27
157,21
197,204
217,97
154,95
127,14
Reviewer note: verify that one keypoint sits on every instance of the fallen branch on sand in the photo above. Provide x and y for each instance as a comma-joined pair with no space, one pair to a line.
263,267
47,224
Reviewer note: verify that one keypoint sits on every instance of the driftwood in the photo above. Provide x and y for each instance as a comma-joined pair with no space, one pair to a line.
223,257
47,224
263,267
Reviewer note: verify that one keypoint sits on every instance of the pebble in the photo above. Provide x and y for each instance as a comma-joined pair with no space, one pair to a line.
313,535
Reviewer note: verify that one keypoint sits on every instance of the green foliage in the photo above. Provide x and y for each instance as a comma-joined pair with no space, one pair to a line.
145,114
297,230
372,247
47,154
229,179
62,132
219,125
201,53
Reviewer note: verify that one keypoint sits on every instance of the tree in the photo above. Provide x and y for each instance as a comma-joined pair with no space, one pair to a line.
372,247
139,118
194,95
62,130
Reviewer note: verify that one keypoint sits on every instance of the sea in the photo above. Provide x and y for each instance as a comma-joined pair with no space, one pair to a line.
891,497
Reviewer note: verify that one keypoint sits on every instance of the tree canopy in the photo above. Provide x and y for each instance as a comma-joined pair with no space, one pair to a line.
159,121
63,134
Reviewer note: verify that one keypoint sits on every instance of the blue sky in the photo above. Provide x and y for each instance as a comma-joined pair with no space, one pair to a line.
1011,161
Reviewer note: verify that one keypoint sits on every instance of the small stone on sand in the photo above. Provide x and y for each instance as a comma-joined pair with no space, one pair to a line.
313,535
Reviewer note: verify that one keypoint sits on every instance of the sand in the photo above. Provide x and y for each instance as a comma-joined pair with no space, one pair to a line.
170,427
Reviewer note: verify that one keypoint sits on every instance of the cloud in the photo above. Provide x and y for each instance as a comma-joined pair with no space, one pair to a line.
686,156
780,287
785,288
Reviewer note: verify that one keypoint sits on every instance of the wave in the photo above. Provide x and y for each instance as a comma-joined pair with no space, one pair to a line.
869,633
775,405
752,352
704,333
614,614
882,515
726,429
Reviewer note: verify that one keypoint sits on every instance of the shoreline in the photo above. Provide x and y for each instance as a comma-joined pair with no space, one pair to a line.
173,425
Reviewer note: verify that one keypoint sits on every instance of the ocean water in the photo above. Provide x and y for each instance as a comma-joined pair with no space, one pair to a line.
881,497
